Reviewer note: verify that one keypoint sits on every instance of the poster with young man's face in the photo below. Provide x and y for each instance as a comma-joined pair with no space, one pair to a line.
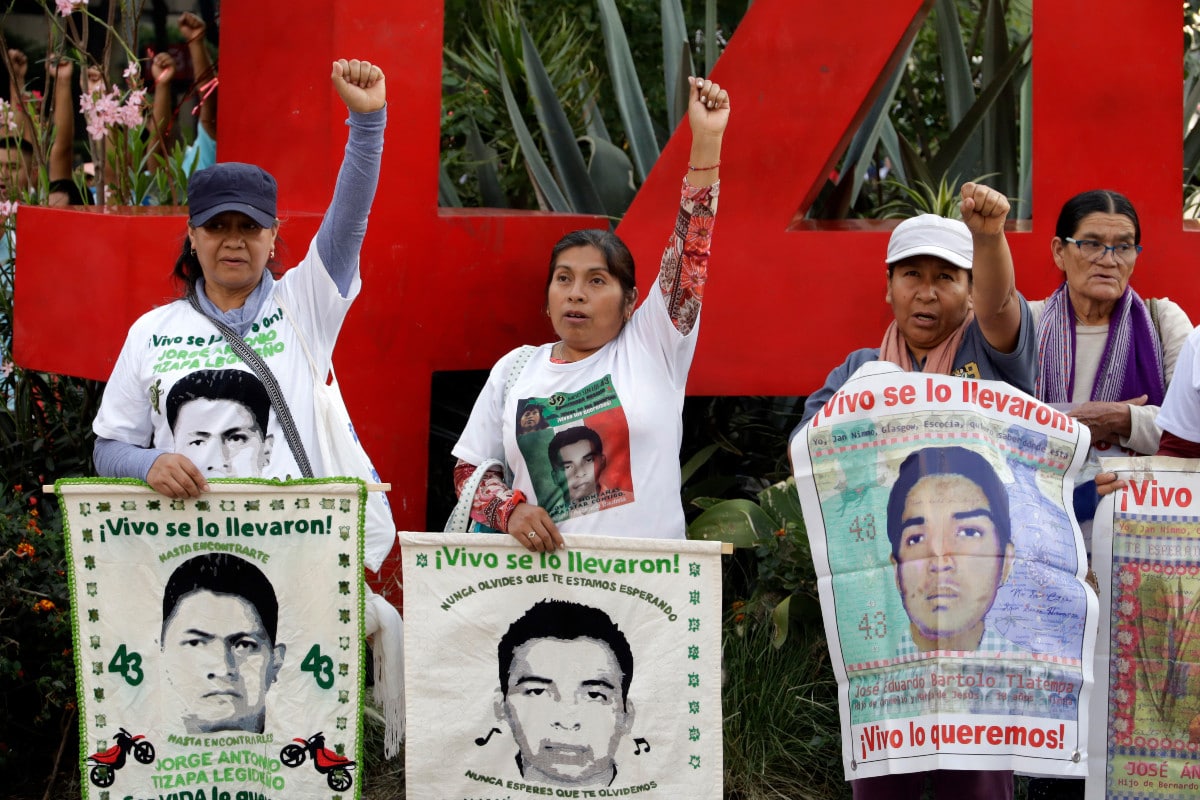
220,637
592,671
1146,709
951,573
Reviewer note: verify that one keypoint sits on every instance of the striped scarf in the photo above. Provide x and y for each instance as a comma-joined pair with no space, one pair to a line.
1132,363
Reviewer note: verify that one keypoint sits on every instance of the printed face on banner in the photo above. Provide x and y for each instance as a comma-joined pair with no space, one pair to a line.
951,561
220,662
554,706
567,710
576,448
218,631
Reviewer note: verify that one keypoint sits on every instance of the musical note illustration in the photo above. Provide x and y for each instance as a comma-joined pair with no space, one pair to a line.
641,742
482,740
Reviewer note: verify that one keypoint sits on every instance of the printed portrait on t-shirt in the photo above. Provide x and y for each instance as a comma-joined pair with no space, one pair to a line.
576,447
219,419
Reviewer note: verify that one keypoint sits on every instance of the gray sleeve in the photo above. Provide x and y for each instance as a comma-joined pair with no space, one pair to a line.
817,400
116,459
1144,433
1018,368
345,223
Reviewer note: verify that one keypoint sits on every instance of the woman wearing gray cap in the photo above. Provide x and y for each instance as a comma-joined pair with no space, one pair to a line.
223,269
183,406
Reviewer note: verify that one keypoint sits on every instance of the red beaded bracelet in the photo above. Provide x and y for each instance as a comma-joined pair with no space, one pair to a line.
702,169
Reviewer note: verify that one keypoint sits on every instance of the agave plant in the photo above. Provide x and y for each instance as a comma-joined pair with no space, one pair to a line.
919,197
982,130
572,161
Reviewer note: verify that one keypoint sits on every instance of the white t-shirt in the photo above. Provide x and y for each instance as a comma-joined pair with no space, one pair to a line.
1180,412
175,366
620,476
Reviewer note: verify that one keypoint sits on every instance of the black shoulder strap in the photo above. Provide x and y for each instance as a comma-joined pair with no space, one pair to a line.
260,368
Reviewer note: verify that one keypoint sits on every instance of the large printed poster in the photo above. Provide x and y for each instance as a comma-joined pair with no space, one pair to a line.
1146,709
218,640
951,573
593,671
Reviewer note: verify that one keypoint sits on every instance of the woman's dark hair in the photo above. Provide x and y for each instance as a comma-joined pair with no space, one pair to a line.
617,257
1102,201
187,267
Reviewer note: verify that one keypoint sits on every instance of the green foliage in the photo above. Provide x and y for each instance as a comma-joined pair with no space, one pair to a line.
472,95
551,74
782,735
37,698
921,198
953,107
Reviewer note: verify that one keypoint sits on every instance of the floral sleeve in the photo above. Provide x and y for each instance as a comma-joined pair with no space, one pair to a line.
494,501
684,268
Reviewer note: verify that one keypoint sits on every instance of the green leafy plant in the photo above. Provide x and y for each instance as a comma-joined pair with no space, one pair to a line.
956,104
782,735
571,160
780,581
922,198
37,711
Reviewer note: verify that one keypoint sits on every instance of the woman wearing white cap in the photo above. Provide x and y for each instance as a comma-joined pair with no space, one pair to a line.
957,312
950,318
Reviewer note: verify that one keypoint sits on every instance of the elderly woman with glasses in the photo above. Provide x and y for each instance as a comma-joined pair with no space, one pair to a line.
1103,350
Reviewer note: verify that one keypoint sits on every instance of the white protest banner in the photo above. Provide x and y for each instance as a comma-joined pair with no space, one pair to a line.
951,573
593,671
1145,713
218,640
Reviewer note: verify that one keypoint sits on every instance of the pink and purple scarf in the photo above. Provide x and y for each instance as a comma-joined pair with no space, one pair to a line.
1132,363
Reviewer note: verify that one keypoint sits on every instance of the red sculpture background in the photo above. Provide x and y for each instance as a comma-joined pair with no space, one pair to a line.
454,289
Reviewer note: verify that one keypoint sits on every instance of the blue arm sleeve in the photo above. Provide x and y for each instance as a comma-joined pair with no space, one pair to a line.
345,223
116,459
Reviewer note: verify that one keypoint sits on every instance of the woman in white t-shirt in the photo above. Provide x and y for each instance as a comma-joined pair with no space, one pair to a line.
589,426
181,406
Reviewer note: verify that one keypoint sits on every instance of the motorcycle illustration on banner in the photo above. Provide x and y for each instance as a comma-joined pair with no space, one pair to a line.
248,628
104,764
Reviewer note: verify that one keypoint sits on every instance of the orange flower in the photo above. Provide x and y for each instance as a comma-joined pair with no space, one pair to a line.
782,532
738,604
739,617
43,605
25,549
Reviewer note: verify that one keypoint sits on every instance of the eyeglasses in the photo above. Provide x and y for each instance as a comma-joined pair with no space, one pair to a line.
1092,250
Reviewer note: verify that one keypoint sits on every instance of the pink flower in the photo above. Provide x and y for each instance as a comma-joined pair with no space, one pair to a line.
101,111
7,209
67,7
131,112
8,118
132,71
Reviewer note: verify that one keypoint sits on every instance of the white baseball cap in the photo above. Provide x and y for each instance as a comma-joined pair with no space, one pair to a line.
931,235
